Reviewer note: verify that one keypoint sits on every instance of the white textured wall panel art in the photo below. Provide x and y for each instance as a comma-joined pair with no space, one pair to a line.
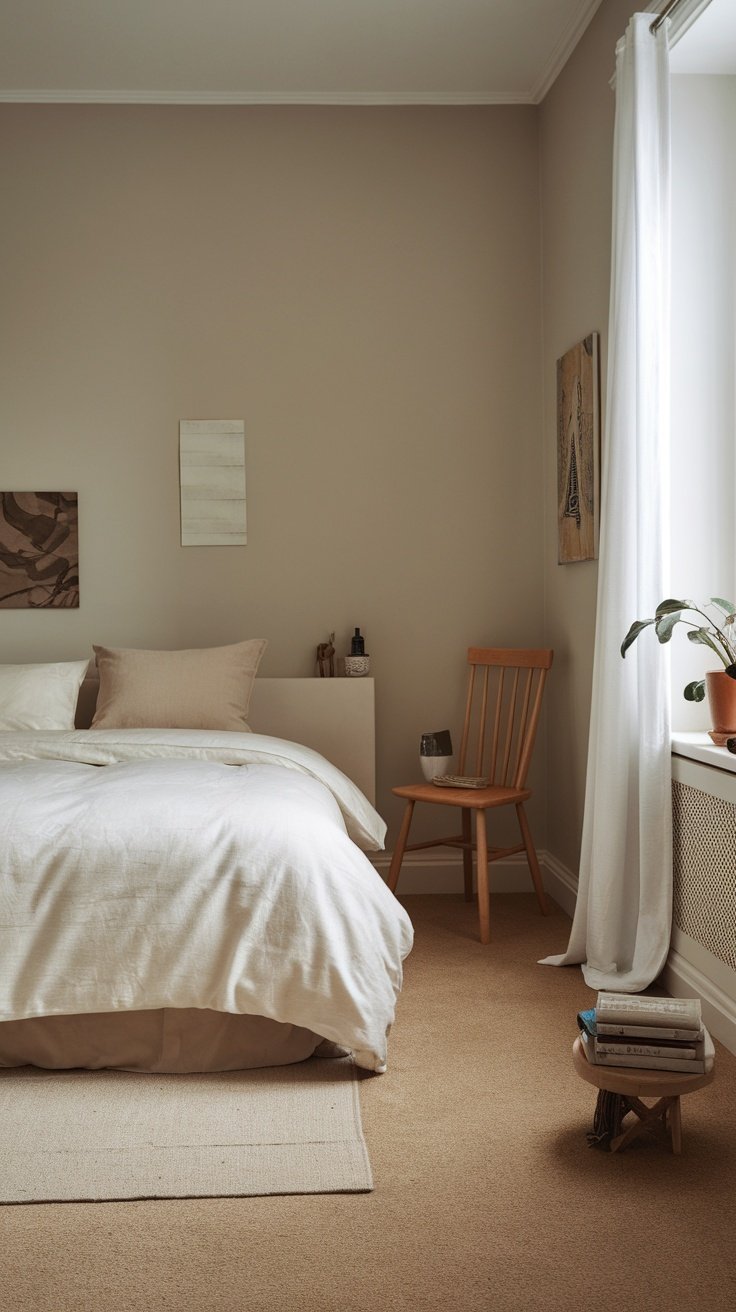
212,481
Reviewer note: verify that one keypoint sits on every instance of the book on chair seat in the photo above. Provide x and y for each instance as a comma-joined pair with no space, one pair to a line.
461,781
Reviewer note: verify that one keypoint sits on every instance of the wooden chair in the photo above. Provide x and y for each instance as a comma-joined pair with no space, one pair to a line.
509,683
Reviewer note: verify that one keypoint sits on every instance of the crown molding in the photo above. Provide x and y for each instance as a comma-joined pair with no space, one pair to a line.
564,48
126,96
76,97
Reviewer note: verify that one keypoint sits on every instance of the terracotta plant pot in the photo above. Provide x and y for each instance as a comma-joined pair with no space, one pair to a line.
721,689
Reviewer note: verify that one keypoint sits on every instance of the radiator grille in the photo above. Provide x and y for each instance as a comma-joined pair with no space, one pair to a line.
704,859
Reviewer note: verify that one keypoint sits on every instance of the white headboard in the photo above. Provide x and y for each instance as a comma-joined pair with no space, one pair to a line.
335,717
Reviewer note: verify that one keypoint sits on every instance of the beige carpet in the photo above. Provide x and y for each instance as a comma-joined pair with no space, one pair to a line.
487,1197
91,1135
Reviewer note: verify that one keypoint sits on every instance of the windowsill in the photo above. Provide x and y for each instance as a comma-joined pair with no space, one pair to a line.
698,747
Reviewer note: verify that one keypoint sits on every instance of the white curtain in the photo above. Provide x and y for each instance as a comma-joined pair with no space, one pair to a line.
621,928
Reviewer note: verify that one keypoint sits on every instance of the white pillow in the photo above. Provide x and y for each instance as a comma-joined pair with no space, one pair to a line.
40,696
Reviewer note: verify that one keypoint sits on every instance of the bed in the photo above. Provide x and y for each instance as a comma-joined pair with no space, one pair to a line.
193,898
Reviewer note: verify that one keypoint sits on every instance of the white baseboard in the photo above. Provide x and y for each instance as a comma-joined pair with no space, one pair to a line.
560,882
435,872
682,978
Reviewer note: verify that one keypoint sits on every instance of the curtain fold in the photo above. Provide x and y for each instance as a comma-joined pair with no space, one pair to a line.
621,927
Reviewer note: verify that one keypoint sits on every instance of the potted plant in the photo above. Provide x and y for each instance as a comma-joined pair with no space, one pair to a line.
720,636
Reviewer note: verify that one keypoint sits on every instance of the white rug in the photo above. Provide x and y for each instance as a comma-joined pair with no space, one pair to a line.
92,1135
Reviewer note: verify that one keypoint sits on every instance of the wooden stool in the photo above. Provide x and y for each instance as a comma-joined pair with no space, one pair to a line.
635,1083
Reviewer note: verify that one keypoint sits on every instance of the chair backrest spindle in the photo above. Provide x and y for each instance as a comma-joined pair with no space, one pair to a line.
516,708
531,734
468,717
480,750
528,682
510,726
496,726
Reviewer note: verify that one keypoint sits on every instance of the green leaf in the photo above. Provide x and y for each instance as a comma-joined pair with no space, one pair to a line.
727,607
703,636
695,692
665,624
637,627
671,604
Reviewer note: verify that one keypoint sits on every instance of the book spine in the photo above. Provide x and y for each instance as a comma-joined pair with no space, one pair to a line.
676,1051
623,1017
627,1009
688,1067
587,1043
647,1031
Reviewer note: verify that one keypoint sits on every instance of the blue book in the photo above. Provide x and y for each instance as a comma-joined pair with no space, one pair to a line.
586,1022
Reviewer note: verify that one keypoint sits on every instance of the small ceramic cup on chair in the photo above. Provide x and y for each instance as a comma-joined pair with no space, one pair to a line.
435,753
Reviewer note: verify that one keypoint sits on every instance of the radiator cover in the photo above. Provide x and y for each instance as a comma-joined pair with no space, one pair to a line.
704,869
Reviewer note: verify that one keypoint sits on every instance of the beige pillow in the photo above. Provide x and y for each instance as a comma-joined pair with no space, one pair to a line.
40,696
204,688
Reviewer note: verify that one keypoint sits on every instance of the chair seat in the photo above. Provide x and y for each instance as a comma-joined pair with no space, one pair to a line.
475,799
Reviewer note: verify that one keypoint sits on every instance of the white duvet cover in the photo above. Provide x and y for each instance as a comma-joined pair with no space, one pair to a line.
183,868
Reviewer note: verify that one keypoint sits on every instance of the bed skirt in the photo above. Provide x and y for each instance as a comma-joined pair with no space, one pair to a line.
171,1040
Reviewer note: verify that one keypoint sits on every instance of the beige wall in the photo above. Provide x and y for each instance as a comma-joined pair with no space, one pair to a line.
362,287
576,147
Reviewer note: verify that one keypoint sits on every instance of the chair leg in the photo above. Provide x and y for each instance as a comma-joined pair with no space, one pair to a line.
398,856
531,857
467,854
484,899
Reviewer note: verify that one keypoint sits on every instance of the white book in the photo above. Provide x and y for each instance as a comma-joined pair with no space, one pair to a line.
687,1067
640,1009
643,1032
650,1063
627,1048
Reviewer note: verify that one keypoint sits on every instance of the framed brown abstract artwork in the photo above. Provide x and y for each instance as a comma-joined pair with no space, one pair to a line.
39,550
578,444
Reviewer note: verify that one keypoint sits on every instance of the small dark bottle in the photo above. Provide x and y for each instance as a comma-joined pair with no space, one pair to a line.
357,644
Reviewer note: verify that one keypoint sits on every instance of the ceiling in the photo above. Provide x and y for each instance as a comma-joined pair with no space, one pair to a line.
287,51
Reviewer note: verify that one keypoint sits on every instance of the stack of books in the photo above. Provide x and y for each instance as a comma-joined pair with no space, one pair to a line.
664,1034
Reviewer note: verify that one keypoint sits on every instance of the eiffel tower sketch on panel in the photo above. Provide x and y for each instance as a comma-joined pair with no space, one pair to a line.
578,440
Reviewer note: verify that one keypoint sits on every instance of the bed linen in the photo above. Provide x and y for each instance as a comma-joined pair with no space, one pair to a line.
145,869
167,1040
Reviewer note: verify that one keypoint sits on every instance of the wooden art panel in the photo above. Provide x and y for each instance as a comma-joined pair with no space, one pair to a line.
578,442
212,481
